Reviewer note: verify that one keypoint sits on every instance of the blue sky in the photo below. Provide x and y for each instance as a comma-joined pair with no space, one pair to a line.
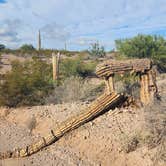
2,1
79,22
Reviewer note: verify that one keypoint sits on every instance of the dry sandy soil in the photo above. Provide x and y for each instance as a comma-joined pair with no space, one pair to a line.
101,142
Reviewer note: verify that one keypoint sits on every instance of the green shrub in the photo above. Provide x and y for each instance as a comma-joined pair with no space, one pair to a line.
27,47
26,84
76,67
97,51
144,46
2,47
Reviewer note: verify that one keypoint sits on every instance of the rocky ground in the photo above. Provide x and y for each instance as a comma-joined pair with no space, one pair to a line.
113,139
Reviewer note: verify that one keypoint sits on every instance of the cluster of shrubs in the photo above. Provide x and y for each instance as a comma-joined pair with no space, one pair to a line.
77,67
30,50
30,82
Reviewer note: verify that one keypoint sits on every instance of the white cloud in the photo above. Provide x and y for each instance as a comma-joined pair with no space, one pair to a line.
9,32
55,31
83,41
80,20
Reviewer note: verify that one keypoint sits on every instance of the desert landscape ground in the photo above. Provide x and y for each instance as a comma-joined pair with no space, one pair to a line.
82,83
120,137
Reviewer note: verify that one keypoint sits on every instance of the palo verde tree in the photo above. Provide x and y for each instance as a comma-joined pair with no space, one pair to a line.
144,46
97,51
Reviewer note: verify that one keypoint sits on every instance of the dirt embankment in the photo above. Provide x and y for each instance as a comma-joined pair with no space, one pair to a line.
100,142
111,139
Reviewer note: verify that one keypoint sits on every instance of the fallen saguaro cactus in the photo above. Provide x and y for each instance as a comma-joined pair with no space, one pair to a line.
110,67
108,100
142,67
104,102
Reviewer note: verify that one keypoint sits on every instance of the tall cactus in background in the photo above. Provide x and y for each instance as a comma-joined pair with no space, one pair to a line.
39,41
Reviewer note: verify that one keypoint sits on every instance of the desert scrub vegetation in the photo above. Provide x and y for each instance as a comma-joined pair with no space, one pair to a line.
23,51
74,89
128,83
155,122
29,50
26,84
72,84
2,47
153,133
97,51
30,82
129,143
76,67
155,125
144,46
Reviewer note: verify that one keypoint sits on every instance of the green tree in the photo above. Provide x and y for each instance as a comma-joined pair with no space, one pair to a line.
144,46
2,47
97,51
27,47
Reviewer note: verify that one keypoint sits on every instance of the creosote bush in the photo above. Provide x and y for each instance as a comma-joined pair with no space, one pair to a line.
26,84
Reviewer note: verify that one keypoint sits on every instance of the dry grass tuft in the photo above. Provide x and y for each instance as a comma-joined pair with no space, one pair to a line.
130,143
74,89
155,124
31,123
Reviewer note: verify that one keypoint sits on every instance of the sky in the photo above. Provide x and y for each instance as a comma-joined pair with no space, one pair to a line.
79,23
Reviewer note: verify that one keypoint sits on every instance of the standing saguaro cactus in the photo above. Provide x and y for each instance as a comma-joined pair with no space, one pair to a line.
55,65
39,41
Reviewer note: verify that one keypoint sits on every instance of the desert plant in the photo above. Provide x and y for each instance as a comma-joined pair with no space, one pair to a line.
144,46
76,67
160,156
155,125
128,83
31,123
74,89
27,47
155,122
130,143
26,84
2,47
97,51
